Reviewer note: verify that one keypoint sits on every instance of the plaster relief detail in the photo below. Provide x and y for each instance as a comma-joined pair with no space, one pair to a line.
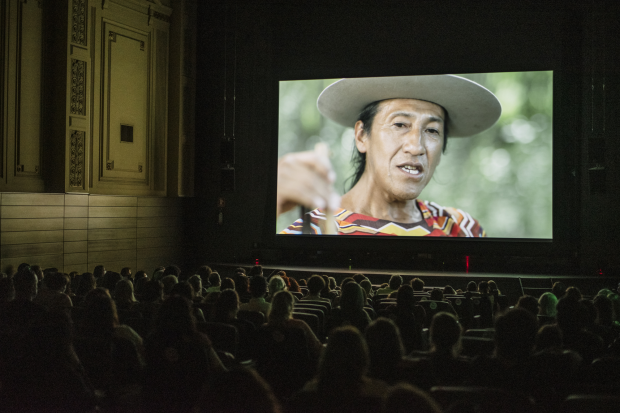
78,30
76,161
78,89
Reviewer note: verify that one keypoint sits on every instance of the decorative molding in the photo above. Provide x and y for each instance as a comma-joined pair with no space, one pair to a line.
78,30
76,162
140,168
158,15
78,87
109,165
112,36
142,46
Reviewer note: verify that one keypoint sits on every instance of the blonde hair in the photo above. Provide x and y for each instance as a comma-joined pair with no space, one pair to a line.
281,307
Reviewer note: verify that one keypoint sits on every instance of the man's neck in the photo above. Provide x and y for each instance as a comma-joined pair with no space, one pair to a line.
364,198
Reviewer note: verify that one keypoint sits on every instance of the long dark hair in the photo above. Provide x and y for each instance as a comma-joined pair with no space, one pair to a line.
367,115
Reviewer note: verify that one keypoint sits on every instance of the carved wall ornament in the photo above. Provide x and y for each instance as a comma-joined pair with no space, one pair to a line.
161,16
140,168
76,159
78,30
109,165
142,46
112,36
78,87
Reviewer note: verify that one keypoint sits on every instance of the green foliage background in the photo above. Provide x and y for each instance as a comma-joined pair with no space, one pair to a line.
502,177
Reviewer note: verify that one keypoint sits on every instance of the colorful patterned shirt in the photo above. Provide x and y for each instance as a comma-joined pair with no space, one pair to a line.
437,221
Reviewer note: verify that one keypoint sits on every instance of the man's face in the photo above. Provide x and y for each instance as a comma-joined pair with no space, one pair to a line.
404,146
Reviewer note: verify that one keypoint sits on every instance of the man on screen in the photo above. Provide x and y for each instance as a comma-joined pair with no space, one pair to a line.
401,127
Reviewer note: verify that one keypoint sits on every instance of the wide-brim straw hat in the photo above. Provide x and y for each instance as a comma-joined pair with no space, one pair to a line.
471,107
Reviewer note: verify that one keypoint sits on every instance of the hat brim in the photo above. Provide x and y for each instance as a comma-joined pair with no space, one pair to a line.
471,107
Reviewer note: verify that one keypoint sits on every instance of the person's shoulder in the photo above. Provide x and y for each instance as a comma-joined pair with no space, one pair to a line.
464,225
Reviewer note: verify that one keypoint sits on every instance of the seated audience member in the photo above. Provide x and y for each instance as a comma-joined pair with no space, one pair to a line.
487,305
571,319
351,310
558,289
294,286
386,352
276,284
281,315
225,311
510,368
152,297
448,290
255,270
331,284
417,285
445,341
7,290
44,375
258,289
215,281
409,318
367,287
204,272
222,396
493,288
547,311
126,274
53,296
342,383
303,282
529,303
158,273
573,292
605,313
472,287
316,284
185,289
242,287
179,360
395,282
123,295
227,284
443,305
172,270
593,309
99,272
549,338
401,398
110,352
17,314
330,291
359,277
169,281
109,280
196,284
87,284
38,271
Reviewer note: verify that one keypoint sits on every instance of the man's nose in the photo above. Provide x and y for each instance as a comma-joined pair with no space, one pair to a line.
414,143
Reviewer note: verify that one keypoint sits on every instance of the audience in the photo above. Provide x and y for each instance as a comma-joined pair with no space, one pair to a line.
394,283
162,363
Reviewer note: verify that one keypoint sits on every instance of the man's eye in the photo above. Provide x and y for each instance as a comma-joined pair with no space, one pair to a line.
400,125
433,131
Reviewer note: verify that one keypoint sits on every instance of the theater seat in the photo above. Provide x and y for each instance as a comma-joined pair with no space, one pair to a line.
482,399
590,403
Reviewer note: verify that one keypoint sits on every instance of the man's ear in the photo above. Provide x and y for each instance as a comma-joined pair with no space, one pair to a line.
360,137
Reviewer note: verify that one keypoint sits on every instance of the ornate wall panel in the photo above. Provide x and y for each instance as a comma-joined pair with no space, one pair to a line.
78,22
77,159
126,131
29,61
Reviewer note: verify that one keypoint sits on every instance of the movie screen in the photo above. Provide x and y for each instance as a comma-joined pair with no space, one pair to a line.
368,156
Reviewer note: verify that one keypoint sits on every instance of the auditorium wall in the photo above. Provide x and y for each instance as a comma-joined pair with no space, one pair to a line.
96,161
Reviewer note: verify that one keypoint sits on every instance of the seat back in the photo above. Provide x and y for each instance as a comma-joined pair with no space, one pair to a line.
255,317
483,399
477,346
590,403
311,319
224,337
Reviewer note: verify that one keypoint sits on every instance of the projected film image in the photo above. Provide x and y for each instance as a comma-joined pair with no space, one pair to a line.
369,156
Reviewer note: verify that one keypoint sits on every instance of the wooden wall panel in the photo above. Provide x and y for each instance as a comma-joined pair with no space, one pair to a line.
76,232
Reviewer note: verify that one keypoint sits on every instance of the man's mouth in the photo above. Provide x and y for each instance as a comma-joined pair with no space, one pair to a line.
414,169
